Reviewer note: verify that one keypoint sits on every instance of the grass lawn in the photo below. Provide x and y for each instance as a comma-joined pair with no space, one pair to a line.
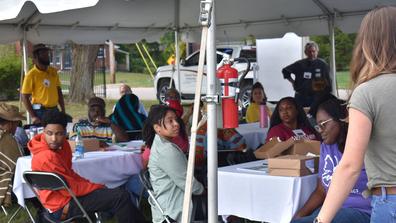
343,79
132,79
80,111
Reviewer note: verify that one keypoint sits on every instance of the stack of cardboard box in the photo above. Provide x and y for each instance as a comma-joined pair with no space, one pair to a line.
294,160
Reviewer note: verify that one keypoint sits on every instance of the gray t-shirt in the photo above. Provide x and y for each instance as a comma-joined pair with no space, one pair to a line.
375,99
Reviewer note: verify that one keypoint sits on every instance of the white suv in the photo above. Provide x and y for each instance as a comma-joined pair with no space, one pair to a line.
188,74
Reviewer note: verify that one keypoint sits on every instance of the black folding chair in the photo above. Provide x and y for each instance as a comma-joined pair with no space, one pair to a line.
134,134
50,181
145,179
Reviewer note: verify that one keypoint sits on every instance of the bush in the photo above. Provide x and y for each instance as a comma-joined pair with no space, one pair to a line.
10,71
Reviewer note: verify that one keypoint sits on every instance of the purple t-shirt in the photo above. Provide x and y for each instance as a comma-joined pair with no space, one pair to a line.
330,156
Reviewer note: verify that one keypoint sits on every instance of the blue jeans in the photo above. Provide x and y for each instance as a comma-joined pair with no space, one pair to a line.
135,187
384,208
40,112
344,215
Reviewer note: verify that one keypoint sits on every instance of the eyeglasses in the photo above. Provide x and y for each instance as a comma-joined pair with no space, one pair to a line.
322,125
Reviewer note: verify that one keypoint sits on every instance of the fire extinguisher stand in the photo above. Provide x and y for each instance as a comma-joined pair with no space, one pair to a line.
207,40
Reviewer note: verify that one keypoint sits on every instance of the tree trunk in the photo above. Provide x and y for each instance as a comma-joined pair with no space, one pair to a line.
82,75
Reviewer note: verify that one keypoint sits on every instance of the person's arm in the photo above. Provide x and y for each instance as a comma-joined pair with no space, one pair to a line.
349,168
29,108
315,200
61,100
120,134
142,110
287,71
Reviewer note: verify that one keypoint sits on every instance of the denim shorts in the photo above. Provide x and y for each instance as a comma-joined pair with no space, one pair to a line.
384,208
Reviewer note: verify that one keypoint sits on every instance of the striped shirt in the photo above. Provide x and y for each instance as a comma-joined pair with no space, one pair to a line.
87,130
9,153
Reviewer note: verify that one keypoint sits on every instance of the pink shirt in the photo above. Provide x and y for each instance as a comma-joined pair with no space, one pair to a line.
181,142
284,132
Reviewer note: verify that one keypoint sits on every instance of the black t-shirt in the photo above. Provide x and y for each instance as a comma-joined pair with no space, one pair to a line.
311,76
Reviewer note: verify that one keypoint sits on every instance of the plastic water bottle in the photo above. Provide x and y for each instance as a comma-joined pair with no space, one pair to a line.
311,120
263,116
32,132
79,149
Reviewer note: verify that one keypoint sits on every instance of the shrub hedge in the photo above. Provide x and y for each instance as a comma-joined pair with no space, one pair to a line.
10,71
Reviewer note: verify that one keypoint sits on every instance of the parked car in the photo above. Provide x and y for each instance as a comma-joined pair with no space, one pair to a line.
189,69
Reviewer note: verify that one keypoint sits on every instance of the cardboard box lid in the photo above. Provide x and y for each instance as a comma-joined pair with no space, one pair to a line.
301,147
266,151
304,147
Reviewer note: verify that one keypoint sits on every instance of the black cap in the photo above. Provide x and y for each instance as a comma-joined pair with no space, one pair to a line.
39,47
96,101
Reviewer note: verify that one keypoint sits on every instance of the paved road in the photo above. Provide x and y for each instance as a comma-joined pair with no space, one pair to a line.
143,93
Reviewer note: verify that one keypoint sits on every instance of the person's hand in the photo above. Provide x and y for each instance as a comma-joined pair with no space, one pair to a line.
103,120
36,120
103,145
297,216
293,140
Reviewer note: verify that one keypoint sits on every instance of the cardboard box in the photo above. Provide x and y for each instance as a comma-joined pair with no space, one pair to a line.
266,151
89,145
293,165
304,147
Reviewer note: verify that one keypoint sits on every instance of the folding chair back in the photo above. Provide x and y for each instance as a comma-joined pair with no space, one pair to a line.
37,180
134,134
145,179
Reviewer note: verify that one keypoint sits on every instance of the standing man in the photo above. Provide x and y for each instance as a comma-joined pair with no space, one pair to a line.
311,76
42,84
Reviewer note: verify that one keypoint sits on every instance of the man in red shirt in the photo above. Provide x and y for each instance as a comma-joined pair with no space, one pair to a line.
51,153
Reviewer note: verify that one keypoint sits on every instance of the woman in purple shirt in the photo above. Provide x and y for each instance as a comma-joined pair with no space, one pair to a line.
331,116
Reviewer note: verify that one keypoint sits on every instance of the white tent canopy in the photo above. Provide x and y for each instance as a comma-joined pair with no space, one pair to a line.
126,21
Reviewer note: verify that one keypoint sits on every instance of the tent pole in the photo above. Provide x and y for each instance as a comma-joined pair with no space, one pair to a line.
177,59
177,49
204,18
212,119
332,56
25,69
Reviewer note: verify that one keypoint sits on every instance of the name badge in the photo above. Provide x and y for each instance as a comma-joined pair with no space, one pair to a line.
307,75
299,133
36,106
46,82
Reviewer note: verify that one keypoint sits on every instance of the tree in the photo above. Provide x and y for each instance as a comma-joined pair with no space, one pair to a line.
83,69
167,41
343,47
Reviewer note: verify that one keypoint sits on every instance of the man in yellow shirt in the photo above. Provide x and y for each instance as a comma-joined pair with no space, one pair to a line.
42,84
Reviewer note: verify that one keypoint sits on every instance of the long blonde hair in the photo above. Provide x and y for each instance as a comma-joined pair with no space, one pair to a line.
375,46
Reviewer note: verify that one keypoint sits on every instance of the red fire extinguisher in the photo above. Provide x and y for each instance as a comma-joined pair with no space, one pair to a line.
228,77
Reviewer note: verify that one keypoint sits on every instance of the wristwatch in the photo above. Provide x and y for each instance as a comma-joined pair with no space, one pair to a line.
317,220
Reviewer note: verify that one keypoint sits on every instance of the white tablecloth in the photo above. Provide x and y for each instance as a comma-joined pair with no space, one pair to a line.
257,196
112,168
253,134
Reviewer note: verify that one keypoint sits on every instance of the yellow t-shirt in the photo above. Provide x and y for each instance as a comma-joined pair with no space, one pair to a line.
43,86
253,112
